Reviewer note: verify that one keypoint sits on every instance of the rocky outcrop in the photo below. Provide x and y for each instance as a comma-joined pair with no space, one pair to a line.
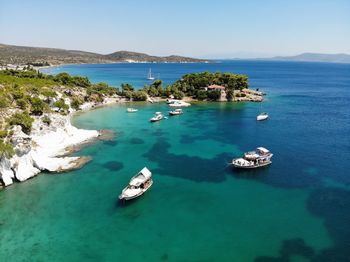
41,150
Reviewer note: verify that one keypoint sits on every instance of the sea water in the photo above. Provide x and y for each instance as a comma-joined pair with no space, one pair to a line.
199,208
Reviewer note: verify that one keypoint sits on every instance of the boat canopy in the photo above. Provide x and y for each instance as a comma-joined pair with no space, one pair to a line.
141,177
146,173
263,150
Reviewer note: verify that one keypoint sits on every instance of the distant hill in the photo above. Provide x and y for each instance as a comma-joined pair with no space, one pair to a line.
314,57
10,54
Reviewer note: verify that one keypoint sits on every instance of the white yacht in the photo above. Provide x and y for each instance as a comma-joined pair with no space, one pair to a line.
138,185
254,159
149,76
131,110
262,116
178,103
157,117
176,112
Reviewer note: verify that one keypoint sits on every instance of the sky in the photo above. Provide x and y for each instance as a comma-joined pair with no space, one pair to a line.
198,28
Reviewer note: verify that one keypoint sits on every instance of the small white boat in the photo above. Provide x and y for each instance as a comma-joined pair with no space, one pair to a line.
138,185
149,76
262,116
178,103
131,110
157,117
254,159
176,112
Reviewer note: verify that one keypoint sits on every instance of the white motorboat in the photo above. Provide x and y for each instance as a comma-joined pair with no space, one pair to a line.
149,76
131,110
262,116
138,185
177,111
178,103
254,159
157,117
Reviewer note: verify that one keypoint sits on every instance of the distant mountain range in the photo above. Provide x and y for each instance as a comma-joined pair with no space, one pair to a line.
10,54
314,57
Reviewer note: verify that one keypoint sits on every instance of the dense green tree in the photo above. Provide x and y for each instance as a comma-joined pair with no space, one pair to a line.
61,104
127,87
201,94
63,78
139,95
76,103
214,95
22,119
37,106
80,81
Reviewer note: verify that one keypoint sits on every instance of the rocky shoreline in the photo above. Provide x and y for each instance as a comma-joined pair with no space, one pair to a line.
43,148
48,146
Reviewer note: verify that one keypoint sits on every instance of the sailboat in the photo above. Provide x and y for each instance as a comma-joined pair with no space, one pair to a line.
150,77
262,116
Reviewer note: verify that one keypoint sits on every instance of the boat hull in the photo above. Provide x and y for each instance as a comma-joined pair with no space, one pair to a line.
251,166
262,118
121,197
174,114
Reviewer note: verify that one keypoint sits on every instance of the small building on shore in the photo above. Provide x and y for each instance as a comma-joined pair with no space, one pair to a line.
218,88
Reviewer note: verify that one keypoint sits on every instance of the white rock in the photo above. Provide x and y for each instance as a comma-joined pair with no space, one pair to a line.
6,173
41,149
24,167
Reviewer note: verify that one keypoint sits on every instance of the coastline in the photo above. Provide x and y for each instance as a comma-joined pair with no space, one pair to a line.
47,148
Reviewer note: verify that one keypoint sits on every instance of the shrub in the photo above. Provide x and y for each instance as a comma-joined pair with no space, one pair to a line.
81,81
76,103
3,134
139,96
6,150
46,120
37,106
22,119
22,103
61,104
49,93
4,103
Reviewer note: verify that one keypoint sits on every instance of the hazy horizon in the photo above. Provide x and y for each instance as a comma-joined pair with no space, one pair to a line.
224,29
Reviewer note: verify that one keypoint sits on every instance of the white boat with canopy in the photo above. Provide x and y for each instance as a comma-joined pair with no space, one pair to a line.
254,159
157,117
138,185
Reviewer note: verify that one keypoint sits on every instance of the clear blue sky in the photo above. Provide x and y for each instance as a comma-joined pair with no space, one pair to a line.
184,27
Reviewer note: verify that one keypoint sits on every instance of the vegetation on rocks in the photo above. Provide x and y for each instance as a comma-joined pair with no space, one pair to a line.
22,119
27,94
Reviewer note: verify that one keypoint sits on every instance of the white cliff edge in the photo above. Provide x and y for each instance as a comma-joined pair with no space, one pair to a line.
42,150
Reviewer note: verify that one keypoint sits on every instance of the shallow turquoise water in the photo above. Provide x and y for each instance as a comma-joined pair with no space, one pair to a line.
199,209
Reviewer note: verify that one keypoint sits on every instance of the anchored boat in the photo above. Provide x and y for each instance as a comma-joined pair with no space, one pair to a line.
138,185
262,116
157,117
177,103
131,110
149,76
254,159
177,111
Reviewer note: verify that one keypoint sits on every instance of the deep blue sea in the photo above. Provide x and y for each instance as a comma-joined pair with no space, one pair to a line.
199,208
